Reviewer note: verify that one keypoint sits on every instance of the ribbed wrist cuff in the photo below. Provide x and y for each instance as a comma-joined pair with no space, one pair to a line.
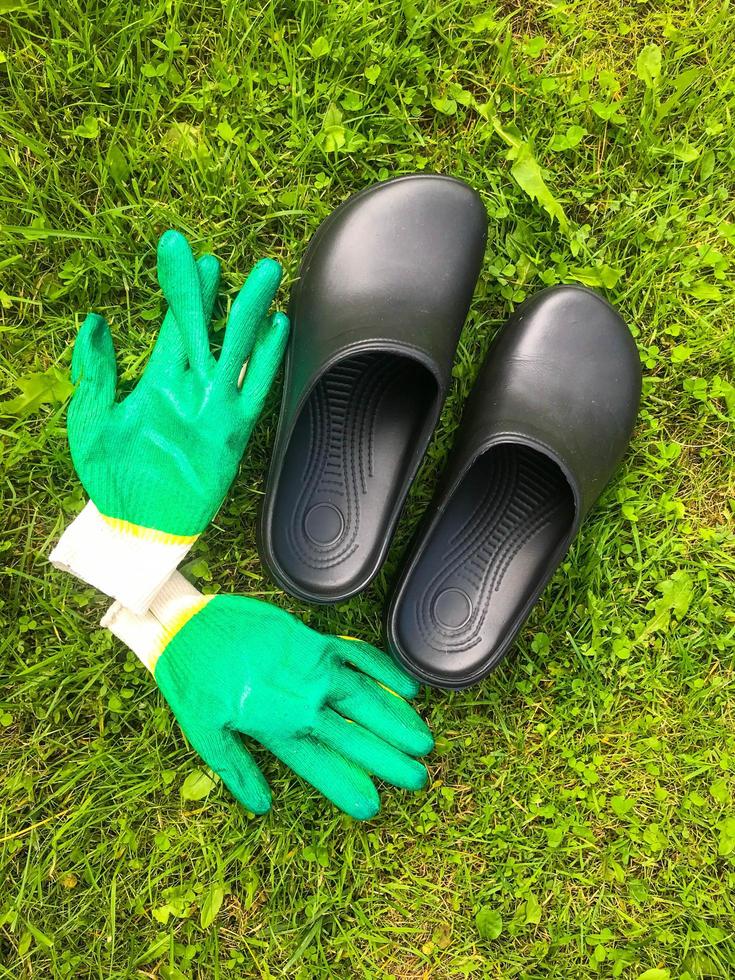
148,635
125,561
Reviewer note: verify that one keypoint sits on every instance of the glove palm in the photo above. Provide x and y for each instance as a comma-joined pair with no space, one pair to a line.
331,709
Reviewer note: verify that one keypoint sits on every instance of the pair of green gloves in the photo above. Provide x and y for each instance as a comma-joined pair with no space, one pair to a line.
156,467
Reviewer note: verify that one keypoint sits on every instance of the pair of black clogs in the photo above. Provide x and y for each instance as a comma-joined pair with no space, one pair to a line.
383,292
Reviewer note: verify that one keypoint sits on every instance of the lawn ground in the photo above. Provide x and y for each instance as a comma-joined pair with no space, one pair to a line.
579,821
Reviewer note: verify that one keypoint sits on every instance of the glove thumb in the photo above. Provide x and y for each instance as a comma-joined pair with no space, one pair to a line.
224,752
93,370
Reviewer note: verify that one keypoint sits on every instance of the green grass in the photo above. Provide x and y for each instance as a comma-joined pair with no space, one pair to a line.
584,792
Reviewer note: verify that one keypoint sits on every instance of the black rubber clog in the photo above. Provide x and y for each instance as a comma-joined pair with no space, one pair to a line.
544,428
384,289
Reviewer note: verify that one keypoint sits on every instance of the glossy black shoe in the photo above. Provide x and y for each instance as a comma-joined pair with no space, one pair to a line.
544,428
384,289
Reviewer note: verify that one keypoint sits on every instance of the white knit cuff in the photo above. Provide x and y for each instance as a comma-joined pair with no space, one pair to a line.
145,636
125,561
149,634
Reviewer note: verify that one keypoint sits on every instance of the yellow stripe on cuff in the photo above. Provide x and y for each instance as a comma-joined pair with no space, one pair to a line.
174,626
147,533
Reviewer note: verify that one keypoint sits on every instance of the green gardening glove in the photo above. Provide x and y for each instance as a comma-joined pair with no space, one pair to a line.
157,464
331,709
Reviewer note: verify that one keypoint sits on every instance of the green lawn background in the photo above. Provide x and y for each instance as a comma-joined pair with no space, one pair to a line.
579,821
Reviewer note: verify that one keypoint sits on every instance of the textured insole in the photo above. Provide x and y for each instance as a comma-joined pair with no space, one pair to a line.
489,552
346,467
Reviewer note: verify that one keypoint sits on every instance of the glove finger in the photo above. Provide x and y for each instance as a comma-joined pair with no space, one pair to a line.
341,781
263,364
375,663
225,753
208,269
93,369
248,312
169,349
381,711
179,279
370,752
